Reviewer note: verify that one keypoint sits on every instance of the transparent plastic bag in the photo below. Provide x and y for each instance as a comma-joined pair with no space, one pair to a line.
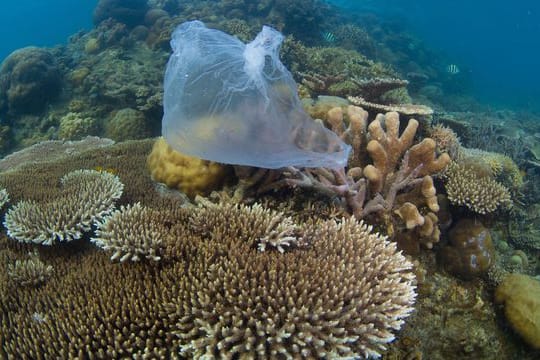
236,103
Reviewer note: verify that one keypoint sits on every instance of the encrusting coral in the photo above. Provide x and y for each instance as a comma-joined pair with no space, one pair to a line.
86,196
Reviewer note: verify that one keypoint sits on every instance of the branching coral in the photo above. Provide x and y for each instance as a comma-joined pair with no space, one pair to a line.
29,272
399,178
86,197
134,232
481,194
342,296
269,228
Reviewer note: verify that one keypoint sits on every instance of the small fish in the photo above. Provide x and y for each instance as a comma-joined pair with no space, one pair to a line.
328,37
452,69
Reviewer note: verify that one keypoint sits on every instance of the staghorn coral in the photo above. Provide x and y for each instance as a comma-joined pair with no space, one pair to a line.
29,272
342,296
134,232
86,197
4,197
478,192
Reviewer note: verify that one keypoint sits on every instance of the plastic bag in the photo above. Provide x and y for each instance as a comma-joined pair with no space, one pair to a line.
236,103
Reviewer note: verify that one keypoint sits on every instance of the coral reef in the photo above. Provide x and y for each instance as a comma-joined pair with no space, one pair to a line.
138,315
29,79
191,175
86,197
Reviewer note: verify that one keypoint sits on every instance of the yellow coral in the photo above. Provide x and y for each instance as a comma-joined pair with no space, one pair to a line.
191,175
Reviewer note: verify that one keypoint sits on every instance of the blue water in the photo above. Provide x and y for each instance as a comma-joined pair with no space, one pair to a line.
42,22
496,41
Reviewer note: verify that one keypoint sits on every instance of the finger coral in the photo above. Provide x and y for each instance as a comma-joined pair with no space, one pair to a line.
480,194
86,197
342,296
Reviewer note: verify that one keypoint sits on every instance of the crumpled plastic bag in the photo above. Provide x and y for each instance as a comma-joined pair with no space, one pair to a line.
236,103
